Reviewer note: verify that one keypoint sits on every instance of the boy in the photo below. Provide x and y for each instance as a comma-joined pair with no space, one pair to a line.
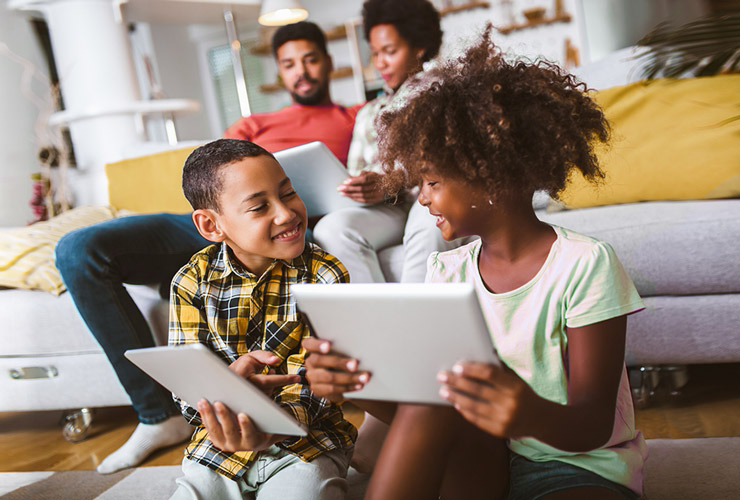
234,297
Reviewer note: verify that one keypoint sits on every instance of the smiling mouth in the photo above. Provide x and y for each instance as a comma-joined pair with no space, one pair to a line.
289,234
439,218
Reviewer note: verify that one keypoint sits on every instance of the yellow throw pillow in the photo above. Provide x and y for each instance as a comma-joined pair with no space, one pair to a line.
672,140
27,253
149,184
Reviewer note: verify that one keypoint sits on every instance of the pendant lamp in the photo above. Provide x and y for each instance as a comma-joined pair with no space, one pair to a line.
280,12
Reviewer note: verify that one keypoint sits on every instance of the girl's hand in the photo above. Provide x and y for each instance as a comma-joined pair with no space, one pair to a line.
329,374
363,188
251,365
493,398
230,432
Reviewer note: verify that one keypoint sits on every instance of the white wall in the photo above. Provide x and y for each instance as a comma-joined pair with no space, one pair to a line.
17,141
609,25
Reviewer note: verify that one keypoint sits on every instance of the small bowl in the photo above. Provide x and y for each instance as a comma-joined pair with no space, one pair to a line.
535,13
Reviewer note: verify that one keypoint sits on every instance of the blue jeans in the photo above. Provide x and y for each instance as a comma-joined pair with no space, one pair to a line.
532,480
96,261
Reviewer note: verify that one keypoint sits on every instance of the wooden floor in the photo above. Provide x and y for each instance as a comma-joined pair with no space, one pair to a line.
709,407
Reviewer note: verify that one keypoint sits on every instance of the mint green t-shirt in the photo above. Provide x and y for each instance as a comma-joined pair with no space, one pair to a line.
582,282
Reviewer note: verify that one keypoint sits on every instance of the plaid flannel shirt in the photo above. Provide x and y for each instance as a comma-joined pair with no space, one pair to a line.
216,302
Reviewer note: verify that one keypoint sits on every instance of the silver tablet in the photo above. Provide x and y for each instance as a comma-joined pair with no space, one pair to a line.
315,173
404,334
193,372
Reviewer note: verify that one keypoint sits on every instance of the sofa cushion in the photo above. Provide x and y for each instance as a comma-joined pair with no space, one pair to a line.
672,140
41,324
668,248
27,254
149,184
688,329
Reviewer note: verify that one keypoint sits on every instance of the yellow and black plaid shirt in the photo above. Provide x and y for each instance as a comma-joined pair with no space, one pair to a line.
217,302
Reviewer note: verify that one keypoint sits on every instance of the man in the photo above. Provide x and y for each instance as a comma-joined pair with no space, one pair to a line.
304,66
96,261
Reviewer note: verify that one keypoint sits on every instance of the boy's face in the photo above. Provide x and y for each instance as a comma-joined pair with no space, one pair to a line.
261,216
305,69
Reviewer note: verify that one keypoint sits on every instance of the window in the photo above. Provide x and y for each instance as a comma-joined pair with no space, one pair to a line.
224,85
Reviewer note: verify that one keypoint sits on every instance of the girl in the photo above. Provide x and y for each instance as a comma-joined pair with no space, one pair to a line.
480,138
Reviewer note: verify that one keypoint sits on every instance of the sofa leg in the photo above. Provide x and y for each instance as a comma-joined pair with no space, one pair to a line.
643,381
646,381
76,424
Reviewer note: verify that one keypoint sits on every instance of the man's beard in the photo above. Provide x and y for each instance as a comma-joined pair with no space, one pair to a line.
312,99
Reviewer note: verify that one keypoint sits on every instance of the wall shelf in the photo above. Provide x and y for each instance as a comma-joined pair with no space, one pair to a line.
560,18
463,6
342,72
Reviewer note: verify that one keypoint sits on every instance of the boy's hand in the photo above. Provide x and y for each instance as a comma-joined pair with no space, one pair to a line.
491,397
329,374
230,432
250,366
363,188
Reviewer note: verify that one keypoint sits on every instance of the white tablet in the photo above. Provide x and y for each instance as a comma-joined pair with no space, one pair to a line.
193,372
404,334
315,173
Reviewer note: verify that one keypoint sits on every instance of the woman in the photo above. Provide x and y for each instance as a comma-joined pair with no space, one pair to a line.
402,37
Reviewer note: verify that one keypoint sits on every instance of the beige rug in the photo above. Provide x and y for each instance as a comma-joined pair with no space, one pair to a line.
678,469
145,483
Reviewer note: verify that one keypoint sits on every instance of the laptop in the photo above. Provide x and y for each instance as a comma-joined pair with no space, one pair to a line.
193,372
404,334
315,174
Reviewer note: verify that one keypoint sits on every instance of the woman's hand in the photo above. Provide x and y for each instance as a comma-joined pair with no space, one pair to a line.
329,374
230,432
251,365
493,398
363,188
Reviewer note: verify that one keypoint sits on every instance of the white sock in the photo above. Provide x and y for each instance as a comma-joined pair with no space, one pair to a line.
146,439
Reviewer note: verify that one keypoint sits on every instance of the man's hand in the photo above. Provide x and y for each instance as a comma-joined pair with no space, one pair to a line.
251,365
230,432
363,188
330,375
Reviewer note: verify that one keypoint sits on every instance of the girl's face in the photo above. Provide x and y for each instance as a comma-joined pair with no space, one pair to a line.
460,208
392,55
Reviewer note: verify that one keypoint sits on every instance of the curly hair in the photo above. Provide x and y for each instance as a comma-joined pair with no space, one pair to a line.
417,21
202,181
504,126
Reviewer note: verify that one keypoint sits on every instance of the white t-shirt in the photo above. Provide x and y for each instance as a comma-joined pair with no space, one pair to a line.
582,282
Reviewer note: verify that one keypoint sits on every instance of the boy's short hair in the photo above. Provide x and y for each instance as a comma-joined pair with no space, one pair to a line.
417,21
201,174
302,30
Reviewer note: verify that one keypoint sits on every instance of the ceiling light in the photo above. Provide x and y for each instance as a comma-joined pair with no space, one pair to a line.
280,12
